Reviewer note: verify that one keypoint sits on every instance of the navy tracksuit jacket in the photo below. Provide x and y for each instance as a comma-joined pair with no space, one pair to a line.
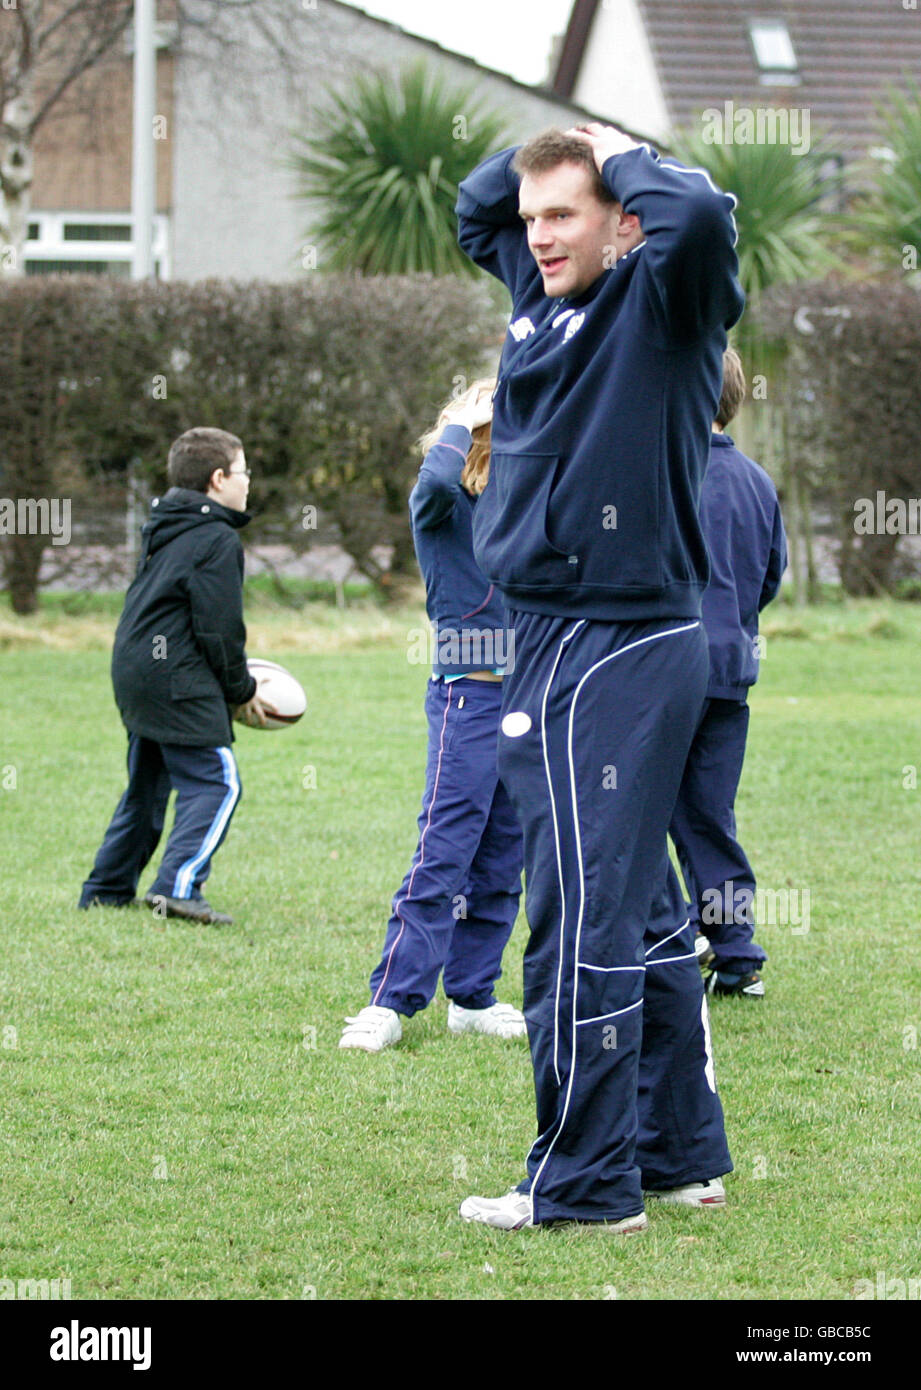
589,526
742,525
455,910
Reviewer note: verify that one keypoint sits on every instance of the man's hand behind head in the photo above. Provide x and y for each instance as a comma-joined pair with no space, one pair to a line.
604,141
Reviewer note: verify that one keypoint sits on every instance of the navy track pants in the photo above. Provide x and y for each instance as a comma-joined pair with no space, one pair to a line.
207,786
457,905
597,721
716,870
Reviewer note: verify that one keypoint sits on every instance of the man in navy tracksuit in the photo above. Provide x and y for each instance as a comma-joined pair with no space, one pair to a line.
623,279
179,669
741,521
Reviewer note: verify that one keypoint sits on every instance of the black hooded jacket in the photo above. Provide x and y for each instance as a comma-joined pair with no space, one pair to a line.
179,658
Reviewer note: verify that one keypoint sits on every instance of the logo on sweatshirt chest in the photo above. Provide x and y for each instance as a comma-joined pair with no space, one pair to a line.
573,326
522,328
572,320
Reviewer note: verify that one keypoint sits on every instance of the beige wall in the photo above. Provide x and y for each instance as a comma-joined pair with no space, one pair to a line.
83,149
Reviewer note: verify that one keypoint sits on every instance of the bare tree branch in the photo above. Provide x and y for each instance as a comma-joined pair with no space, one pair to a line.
89,58
86,9
46,46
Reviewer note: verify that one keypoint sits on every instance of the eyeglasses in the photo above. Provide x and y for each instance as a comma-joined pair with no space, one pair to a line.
239,473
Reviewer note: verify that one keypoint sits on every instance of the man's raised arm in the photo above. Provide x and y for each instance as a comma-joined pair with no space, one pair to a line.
689,229
489,228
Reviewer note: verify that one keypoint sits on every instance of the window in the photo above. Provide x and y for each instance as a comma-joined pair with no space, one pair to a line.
121,269
94,231
774,54
89,243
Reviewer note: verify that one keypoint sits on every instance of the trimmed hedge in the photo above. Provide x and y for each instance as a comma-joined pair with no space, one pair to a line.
328,381
848,390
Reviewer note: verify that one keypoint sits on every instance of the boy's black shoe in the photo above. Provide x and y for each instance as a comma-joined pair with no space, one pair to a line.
191,909
751,985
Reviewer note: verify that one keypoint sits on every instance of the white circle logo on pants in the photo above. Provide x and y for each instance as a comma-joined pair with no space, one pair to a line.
516,723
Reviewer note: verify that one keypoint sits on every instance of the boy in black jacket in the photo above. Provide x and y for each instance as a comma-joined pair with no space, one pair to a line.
741,520
179,673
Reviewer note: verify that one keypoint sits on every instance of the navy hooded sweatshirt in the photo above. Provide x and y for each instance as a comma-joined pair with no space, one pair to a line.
602,415
743,528
468,616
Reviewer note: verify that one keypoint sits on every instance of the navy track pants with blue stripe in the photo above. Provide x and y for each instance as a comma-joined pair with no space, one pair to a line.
457,905
597,721
207,786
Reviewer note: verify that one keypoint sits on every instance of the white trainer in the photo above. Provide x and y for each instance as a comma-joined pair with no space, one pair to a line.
510,1213
513,1213
500,1020
372,1029
704,951
694,1194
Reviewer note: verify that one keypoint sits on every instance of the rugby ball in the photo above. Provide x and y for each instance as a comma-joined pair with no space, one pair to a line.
278,688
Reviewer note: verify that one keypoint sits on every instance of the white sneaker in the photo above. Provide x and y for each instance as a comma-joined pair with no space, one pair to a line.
510,1213
704,951
513,1213
694,1194
373,1029
501,1020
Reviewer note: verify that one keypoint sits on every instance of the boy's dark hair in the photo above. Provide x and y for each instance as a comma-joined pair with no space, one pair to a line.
733,392
195,455
554,147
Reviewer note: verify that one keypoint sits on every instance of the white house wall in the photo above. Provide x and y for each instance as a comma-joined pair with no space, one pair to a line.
618,75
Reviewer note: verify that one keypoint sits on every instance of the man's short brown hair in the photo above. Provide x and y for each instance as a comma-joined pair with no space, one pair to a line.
733,392
195,455
554,147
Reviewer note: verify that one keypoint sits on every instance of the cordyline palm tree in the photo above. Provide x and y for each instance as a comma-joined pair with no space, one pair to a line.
783,234
384,165
887,215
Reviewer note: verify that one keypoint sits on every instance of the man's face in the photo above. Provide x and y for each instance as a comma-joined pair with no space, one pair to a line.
573,237
231,488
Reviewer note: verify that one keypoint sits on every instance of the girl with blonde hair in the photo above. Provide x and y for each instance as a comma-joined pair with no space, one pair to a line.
457,905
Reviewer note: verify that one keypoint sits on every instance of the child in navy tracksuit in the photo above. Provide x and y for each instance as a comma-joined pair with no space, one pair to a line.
458,902
741,520
623,280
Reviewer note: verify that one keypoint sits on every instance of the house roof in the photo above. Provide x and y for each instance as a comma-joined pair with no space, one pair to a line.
549,92
848,53
543,90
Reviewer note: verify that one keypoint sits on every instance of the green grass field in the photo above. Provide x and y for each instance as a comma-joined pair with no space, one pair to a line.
179,1123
